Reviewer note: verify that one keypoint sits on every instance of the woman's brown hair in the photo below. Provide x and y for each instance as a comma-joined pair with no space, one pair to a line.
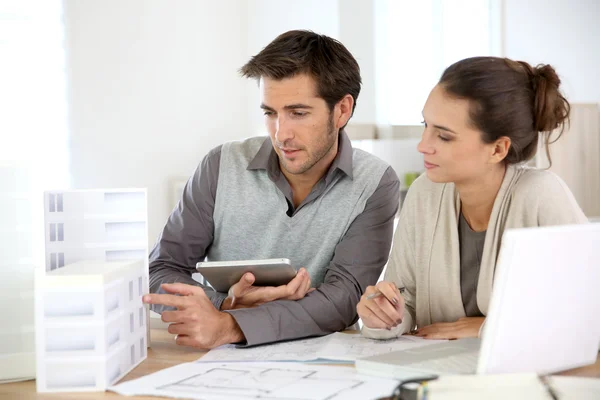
510,98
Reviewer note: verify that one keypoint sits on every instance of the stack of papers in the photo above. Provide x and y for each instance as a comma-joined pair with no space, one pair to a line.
348,347
575,388
211,381
298,350
252,373
512,386
258,372
337,347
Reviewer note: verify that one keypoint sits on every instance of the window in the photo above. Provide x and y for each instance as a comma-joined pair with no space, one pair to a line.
57,232
55,202
417,40
33,156
33,97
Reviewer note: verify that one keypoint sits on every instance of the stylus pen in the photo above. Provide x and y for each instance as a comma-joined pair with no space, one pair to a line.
549,388
374,295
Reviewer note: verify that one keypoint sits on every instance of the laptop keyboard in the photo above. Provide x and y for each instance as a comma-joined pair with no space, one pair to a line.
463,363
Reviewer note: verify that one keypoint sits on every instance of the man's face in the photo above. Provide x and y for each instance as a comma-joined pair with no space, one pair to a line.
299,123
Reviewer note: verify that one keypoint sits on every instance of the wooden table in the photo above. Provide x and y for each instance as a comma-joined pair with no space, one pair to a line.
165,353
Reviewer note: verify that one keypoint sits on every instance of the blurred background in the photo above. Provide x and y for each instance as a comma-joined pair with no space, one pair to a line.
133,93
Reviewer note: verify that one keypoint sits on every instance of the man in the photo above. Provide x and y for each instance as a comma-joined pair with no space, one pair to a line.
303,194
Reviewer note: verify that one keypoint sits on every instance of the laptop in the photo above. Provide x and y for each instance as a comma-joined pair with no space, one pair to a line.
544,313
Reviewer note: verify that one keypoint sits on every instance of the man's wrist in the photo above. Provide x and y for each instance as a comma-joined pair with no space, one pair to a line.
232,332
227,304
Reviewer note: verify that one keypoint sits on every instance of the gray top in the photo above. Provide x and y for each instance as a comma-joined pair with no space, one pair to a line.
307,235
355,258
471,251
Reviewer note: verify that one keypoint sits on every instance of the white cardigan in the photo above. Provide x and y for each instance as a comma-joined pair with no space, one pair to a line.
425,256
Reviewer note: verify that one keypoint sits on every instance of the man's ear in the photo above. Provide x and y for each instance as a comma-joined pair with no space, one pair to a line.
343,111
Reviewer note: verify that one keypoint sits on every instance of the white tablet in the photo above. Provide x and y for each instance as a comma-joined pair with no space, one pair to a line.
223,274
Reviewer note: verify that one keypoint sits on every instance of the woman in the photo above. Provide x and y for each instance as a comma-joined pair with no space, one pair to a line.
481,125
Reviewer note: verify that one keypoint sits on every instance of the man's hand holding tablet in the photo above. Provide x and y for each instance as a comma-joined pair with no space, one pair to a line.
255,282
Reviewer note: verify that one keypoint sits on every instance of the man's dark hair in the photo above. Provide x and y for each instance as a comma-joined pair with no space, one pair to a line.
333,68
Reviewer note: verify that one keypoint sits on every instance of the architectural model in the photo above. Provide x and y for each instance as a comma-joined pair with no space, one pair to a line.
108,225
90,324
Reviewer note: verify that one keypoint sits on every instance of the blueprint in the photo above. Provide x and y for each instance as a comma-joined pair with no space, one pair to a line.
349,347
266,381
335,347
297,350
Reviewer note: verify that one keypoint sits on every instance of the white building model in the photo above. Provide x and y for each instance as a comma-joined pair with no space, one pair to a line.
95,224
90,324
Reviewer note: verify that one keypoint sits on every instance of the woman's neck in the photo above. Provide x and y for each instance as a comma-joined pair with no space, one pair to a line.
478,195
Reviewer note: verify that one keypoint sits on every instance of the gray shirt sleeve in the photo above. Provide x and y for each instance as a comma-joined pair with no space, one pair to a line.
358,261
188,232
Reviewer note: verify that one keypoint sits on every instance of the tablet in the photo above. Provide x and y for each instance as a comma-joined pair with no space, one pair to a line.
223,274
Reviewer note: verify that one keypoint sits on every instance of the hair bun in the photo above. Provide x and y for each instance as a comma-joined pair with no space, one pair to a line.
551,109
545,75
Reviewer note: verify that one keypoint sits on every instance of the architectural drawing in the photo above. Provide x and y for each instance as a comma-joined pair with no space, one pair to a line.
263,383
337,346
266,381
297,350
90,324
349,347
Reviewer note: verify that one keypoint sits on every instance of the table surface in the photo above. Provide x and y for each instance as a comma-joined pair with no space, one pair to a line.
165,353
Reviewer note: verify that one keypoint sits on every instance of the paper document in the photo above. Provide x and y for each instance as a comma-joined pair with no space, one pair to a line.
349,347
335,347
576,388
297,350
488,387
513,386
210,381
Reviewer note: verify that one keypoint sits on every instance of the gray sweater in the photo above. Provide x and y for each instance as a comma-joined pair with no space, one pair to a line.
238,205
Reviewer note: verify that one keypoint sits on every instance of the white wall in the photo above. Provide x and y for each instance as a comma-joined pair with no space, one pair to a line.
563,33
269,18
153,87
357,33
350,21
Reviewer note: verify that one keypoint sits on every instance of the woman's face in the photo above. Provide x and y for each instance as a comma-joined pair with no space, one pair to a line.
452,148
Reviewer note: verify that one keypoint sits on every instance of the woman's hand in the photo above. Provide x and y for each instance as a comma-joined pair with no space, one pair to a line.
383,311
463,328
